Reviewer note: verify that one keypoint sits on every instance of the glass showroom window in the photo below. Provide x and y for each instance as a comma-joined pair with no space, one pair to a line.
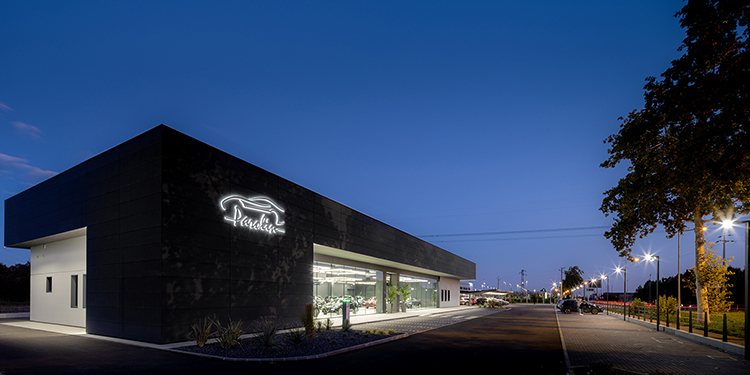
422,292
334,283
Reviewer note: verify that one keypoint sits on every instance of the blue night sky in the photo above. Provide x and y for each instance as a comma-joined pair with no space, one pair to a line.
434,117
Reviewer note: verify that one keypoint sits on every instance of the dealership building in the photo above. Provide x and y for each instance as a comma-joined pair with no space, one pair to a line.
163,230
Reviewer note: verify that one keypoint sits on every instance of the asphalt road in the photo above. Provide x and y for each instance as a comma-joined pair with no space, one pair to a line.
524,340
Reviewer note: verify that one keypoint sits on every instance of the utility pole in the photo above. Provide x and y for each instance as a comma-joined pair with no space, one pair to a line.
724,241
498,283
523,284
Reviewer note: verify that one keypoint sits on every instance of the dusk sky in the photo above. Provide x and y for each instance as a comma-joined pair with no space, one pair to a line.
434,117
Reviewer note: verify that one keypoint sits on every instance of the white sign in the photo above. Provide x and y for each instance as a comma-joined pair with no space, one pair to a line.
259,214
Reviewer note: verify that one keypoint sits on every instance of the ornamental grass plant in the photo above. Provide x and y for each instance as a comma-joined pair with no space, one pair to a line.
228,335
202,331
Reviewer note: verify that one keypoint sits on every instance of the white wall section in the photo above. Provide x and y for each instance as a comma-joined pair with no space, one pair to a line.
452,285
59,260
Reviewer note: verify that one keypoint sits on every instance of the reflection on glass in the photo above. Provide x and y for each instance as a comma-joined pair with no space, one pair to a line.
422,292
333,284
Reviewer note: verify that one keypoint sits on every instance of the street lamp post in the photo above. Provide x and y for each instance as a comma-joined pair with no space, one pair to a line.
658,314
624,291
747,288
624,287
605,277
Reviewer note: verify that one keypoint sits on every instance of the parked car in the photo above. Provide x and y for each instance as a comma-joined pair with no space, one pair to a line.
568,306
371,302
589,307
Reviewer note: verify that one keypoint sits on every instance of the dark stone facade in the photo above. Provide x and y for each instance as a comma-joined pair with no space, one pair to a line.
160,254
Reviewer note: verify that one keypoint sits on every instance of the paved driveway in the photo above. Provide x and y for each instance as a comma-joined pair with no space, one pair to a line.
524,340
601,338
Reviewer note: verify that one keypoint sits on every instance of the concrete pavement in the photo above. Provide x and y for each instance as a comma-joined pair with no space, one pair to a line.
590,339
523,340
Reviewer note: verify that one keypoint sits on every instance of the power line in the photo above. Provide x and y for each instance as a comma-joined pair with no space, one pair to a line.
512,232
519,238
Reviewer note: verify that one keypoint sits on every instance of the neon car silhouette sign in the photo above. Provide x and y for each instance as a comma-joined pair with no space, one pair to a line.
257,214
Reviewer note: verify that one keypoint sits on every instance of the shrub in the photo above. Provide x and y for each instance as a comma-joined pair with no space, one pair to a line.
229,335
266,328
202,331
296,335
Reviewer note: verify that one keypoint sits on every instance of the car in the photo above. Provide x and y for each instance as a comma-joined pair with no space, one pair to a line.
412,302
568,306
371,302
589,307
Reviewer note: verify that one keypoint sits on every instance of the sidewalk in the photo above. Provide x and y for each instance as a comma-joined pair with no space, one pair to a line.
590,339
734,344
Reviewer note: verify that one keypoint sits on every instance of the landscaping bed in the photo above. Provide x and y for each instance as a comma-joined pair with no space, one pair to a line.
284,346
10,309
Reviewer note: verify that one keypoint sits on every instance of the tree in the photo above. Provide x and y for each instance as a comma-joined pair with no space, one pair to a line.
573,278
15,282
714,276
667,305
736,284
687,149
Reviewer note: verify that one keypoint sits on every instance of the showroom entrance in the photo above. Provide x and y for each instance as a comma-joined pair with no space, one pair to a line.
340,276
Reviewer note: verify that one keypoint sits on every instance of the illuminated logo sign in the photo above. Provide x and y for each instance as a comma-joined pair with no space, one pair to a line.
256,214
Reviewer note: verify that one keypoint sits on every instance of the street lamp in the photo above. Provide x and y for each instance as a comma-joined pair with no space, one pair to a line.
625,286
747,282
607,278
593,283
650,258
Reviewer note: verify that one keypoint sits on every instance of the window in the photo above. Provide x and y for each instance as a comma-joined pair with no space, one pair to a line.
84,290
49,284
74,291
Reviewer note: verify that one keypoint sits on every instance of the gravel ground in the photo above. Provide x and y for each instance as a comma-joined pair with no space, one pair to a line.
324,342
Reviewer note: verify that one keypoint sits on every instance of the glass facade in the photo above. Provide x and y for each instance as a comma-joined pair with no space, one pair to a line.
333,283
422,292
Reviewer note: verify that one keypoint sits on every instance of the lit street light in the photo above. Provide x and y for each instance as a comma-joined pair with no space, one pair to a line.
607,278
625,287
650,258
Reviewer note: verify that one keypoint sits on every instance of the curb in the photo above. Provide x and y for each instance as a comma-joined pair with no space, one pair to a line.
303,358
698,339
15,315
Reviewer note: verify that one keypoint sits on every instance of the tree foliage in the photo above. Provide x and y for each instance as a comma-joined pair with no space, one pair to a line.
667,305
687,149
714,274
573,278
15,282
